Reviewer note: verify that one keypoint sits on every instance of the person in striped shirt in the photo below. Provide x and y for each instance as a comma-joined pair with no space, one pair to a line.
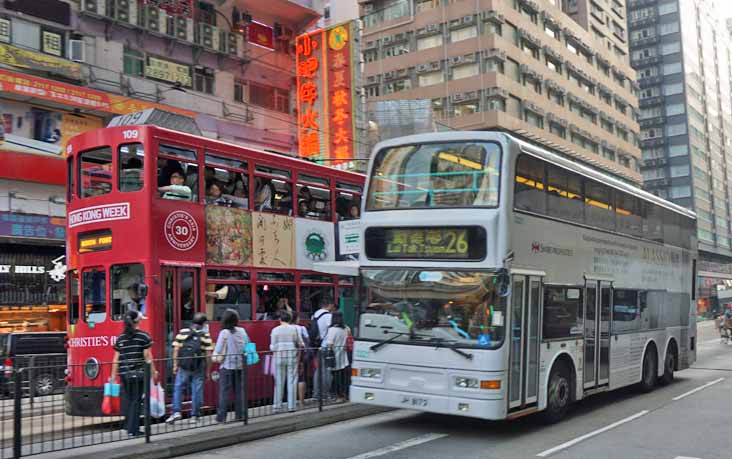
192,349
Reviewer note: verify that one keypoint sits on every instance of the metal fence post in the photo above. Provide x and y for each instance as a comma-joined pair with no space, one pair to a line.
31,372
146,402
321,363
244,395
17,415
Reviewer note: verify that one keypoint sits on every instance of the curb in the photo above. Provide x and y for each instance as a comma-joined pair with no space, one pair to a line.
198,442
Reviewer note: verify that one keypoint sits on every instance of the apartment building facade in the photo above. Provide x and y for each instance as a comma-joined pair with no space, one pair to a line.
682,55
555,72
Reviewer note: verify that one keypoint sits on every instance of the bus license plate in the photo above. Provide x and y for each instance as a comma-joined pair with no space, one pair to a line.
416,402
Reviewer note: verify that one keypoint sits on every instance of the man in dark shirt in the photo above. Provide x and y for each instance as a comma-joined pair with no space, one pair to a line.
132,351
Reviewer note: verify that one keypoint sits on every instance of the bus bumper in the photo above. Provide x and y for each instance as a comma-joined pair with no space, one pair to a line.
459,406
83,401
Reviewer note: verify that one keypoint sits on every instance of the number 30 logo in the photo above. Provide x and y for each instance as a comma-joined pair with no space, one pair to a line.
181,230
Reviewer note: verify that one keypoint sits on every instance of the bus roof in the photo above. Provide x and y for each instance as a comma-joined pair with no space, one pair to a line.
539,152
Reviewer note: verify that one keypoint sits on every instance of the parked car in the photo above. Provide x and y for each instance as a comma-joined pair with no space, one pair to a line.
42,355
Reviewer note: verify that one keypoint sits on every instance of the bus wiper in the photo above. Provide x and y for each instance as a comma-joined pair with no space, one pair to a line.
380,344
453,347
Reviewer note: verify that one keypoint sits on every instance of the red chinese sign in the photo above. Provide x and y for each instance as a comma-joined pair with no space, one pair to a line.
325,94
174,7
260,34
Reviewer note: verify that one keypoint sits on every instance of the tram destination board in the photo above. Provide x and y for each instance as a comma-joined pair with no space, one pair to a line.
426,243
95,241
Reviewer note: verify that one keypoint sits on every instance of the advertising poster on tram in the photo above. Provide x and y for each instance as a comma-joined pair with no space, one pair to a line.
314,242
274,240
228,236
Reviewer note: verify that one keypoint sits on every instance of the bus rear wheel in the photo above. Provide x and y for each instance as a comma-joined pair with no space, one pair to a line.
669,365
650,370
559,394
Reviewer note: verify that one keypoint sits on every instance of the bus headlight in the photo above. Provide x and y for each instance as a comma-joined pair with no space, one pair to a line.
91,368
374,373
466,383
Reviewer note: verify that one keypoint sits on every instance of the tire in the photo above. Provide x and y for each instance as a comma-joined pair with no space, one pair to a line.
669,364
559,394
44,384
650,371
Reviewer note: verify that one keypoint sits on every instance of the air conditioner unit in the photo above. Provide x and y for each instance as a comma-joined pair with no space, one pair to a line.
95,6
435,66
183,28
206,36
458,98
388,75
152,20
77,51
402,72
468,19
372,79
423,68
433,28
121,10
386,40
456,59
421,31
370,45
227,42
400,37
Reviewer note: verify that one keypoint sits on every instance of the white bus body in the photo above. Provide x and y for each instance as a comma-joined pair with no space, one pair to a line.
569,308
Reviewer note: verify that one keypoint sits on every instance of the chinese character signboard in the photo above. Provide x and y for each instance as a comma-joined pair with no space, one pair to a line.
29,60
260,34
174,7
325,92
32,226
173,72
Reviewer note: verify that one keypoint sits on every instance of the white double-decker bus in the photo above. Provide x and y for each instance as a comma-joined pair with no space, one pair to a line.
501,279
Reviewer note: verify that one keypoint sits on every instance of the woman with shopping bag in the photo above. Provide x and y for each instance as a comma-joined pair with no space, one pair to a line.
132,352
229,353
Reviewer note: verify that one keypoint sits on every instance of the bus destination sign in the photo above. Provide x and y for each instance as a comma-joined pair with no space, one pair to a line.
452,243
95,242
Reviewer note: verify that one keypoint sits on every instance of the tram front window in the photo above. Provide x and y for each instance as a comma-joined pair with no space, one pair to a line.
436,308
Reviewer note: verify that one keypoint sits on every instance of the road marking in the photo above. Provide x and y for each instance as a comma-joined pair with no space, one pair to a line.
693,391
571,443
399,446
685,457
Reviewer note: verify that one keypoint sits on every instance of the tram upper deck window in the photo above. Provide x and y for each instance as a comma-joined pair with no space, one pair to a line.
95,172
348,201
130,162
177,173
436,175
273,192
313,197
232,182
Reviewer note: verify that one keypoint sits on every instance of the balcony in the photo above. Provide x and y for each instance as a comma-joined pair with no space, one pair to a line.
650,101
655,142
653,163
650,122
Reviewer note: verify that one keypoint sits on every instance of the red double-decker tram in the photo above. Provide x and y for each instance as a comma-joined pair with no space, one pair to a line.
173,224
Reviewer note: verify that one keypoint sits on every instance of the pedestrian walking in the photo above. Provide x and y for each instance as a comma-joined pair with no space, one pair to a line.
191,354
304,359
229,353
336,341
285,343
132,352
317,332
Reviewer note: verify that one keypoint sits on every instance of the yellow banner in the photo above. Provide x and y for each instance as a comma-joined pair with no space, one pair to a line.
72,125
16,57
168,71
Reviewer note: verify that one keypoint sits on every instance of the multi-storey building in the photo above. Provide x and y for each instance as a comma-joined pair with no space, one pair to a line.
556,72
68,67
681,52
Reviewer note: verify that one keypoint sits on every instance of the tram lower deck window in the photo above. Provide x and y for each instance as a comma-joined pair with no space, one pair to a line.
94,291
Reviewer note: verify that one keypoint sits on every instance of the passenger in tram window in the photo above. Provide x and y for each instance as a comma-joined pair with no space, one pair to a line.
354,212
263,194
209,175
166,167
136,303
214,195
131,179
283,304
240,196
177,190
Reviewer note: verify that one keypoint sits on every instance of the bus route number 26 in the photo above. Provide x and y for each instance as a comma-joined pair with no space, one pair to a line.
130,134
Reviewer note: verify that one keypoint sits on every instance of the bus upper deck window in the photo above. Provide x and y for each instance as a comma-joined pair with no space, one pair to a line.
131,166
94,292
95,172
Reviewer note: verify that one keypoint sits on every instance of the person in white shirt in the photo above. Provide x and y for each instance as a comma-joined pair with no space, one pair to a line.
336,341
323,318
285,342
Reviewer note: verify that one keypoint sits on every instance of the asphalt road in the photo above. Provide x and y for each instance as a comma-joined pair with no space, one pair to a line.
689,419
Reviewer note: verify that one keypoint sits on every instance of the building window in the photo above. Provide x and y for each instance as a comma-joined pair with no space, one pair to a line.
428,79
533,119
551,31
438,108
666,8
680,171
398,85
429,42
464,71
672,69
557,129
673,88
670,48
372,91
203,79
269,97
26,34
463,34
206,13
133,62
494,65
678,150
675,129
370,55
426,5
496,105
240,88
465,108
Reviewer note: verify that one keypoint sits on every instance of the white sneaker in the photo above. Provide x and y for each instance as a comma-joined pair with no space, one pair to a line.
174,417
194,419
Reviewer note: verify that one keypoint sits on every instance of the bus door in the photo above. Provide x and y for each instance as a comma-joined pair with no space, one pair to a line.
598,298
180,297
525,323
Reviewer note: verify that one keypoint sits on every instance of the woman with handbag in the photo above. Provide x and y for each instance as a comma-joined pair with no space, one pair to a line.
336,356
229,354
132,351
285,343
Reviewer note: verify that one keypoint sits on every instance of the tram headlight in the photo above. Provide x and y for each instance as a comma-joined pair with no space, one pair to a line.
374,373
91,368
466,383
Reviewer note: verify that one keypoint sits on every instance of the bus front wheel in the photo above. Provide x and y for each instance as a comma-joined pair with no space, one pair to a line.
559,394
650,370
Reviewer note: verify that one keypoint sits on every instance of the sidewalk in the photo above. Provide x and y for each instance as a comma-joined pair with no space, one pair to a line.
207,438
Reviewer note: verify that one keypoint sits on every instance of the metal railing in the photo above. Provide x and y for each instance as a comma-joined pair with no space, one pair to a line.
32,424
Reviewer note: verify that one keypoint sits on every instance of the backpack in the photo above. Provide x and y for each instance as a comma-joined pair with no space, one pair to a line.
314,331
190,353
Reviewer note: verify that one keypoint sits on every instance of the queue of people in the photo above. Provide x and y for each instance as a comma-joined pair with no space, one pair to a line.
297,355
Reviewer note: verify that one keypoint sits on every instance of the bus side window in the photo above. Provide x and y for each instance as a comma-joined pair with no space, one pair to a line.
94,291
131,170
562,312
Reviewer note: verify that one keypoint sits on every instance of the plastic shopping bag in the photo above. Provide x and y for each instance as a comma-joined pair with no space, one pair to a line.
157,400
110,402
250,350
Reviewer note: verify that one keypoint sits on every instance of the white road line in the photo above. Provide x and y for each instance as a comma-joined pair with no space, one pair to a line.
399,446
571,443
685,457
693,391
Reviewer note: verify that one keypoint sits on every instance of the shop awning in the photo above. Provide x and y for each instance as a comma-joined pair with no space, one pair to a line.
341,268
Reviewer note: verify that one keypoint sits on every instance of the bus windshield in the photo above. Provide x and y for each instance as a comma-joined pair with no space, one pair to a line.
435,175
451,308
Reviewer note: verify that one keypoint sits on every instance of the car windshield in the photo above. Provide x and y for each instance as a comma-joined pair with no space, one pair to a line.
435,175
439,308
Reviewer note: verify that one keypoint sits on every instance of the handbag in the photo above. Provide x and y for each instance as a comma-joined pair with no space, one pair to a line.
329,358
250,350
219,358
110,402
157,400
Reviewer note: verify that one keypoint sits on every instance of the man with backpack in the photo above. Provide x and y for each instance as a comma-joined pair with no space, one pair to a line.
191,354
317,332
